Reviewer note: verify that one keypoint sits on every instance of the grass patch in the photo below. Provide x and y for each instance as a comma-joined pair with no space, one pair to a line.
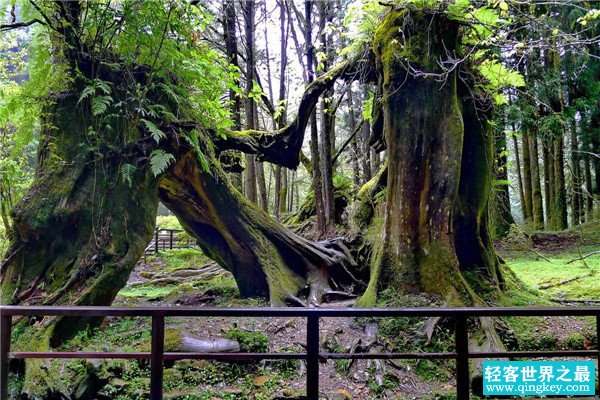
176,259
147,292
536,273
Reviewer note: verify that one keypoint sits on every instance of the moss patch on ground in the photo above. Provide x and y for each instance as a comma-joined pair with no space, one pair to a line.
538,273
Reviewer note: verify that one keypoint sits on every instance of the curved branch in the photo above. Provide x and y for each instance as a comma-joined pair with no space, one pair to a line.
282,147
16,25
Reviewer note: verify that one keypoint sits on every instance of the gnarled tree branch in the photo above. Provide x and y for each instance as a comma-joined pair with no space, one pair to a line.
283,146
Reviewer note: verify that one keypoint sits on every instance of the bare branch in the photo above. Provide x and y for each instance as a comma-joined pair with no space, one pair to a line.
16,25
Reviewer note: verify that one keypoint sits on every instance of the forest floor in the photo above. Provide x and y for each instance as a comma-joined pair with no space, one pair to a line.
186,277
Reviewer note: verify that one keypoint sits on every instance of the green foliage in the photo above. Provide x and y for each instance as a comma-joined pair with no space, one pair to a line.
250,342
154,130
127,171
575,341
159,161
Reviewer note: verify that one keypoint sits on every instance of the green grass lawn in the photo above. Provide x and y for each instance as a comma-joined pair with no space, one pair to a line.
537,272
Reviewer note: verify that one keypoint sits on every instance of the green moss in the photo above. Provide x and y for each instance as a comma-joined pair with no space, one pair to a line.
250,342
575,341
147,292
429,371
172,340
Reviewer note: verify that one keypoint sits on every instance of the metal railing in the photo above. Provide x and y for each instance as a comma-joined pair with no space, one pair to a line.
165,239
313,354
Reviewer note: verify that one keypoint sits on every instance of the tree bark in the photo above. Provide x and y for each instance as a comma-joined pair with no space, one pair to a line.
548,185
536,188
231,49
317,182
353,144
560,195
577,214
501,216
266,259
82,227
327,125
519,170
251,117
527,186
430,192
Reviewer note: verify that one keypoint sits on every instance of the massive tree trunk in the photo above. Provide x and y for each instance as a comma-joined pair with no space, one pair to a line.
436,208
265,258
82,227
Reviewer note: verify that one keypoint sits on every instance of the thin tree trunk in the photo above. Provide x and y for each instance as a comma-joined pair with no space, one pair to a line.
314,133
589,198
353,144
560,195
251,118
519,170
577,214
549,185
500,210
231,48
262,186
327,125
536,188
527,187
368,162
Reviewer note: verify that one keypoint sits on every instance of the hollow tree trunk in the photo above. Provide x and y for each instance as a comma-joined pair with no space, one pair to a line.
266,259
81,228
428,191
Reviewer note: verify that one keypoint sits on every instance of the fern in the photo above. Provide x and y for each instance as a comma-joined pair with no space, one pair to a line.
127,171
159,161
100,104
154,130
192,139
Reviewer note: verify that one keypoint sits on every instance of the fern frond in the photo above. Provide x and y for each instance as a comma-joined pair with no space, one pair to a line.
159,161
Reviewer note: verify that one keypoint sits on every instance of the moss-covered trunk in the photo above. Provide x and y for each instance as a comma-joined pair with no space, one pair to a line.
439,168
80,229
265,258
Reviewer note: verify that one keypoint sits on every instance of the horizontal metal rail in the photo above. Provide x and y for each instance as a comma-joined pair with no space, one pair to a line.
157,355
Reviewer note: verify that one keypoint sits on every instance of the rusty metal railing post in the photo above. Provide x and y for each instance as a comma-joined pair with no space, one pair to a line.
462,358
5,330
157,357
156,240
312,357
